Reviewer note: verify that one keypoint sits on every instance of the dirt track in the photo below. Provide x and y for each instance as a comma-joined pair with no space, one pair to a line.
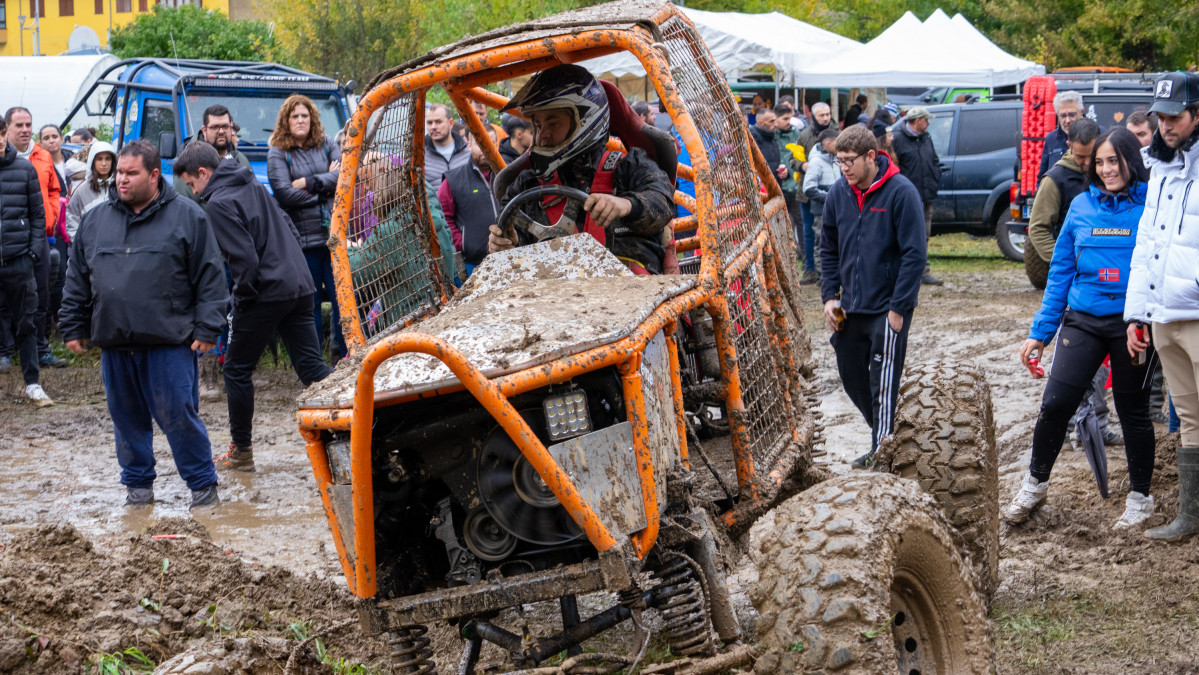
75,566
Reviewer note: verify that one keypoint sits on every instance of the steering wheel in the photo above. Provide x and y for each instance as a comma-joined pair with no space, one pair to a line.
513,217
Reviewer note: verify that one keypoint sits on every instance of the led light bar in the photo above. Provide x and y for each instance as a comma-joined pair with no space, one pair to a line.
566,415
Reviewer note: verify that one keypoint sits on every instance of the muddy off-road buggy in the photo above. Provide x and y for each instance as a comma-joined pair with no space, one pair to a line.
560,426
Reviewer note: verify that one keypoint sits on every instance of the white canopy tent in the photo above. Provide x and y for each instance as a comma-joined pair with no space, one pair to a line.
939,51
738,43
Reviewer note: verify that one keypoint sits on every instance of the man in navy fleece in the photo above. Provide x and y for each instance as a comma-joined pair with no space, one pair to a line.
873,251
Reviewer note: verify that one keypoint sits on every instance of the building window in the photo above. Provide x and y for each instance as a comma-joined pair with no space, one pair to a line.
66,7
40,5
141,5
3,21
99,7
124,6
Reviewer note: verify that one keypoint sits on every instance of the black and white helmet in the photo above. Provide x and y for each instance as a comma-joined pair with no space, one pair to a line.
574,89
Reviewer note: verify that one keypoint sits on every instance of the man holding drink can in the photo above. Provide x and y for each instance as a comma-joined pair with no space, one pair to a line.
1163,284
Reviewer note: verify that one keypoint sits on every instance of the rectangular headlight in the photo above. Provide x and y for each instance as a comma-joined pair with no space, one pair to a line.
566,415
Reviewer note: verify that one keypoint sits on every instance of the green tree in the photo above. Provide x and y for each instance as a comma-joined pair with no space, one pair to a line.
189,32
1144,35
350,39
359,38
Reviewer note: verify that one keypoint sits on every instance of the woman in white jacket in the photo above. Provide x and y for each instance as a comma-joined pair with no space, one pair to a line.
1163,284
102,164
823,171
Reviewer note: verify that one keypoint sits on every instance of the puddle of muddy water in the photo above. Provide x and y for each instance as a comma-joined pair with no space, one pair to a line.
61,467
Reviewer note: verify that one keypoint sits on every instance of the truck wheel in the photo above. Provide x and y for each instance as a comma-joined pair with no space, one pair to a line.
944,439
861,574
1035,267
1010,244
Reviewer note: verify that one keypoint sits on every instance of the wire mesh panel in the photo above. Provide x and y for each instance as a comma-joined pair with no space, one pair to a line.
392,268
783,231
764,389
705,94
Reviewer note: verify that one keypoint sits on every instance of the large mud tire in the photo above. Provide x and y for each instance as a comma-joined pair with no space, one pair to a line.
862,574
944,439
1035,267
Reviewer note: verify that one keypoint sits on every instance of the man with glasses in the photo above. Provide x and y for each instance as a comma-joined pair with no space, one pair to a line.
1068,106
218,132
872,253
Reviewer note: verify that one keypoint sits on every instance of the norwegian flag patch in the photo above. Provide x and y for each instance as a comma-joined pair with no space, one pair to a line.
1109,274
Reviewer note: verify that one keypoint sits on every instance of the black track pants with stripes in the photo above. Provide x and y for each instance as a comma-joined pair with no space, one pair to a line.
870,361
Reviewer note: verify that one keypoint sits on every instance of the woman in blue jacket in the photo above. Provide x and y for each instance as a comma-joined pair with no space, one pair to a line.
1088,277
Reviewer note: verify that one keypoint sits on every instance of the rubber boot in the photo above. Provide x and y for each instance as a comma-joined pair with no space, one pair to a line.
1186,523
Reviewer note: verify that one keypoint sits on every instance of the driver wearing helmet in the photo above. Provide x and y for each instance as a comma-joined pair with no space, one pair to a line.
630,198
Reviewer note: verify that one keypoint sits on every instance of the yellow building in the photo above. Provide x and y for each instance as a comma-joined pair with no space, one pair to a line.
58,19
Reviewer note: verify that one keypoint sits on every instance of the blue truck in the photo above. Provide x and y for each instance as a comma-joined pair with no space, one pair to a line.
163,100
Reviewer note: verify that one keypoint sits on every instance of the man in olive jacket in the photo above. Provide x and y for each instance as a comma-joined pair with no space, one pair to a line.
145,283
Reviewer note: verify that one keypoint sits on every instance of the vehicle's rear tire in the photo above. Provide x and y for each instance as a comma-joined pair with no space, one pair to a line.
1011,245
861,574
944,439
1035,267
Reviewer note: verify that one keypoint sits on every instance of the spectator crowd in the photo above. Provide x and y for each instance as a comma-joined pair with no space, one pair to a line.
170,278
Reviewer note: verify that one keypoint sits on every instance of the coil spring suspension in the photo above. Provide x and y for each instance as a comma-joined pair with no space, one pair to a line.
411,653
684,606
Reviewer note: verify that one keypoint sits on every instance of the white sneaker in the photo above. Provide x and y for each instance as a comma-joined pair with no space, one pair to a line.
1137,509
1030,498
38,395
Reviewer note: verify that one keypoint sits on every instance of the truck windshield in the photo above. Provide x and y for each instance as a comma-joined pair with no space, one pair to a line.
256,112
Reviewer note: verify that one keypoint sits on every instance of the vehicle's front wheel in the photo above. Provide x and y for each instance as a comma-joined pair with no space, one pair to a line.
861,574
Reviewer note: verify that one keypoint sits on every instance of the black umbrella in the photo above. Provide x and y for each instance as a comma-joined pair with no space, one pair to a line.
1087,427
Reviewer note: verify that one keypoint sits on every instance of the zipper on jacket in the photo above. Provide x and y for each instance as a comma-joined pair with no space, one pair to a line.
1185,195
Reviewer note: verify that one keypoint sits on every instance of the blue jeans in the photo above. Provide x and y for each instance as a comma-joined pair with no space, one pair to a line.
1175,423
159,384
320,266
809,236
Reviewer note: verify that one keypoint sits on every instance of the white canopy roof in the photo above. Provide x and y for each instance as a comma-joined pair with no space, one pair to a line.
940,51
50,85
739,42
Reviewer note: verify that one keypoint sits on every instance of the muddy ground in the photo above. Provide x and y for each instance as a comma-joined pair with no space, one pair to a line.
83,581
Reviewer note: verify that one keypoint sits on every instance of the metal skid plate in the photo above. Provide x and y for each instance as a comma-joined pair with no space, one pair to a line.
602,465
658,391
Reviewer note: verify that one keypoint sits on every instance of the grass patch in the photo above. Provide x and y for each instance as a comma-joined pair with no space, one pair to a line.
961,252
1093,631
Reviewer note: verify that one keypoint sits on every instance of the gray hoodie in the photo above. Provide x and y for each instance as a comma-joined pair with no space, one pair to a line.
85,198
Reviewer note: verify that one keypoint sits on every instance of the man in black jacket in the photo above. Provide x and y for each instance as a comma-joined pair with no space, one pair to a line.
145,283
918,162
763,132
872,253
520,137
272,289
468,204
1067,107
218,132
22,221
